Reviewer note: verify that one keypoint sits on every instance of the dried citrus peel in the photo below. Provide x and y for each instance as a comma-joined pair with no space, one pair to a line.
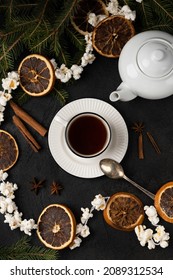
84,9
163,202
124,211
37,75
56,226
111,34
9,151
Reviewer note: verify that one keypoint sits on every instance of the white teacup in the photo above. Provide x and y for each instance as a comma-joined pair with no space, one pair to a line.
87,134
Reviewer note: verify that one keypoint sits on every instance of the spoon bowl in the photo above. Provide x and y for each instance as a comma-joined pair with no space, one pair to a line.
111,168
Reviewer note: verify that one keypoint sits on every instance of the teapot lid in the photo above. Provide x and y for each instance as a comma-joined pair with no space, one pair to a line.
155,58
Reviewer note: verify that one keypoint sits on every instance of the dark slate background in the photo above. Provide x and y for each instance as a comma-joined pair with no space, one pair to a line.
104,242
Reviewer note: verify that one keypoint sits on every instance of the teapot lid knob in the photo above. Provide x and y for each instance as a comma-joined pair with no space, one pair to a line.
158,55
155,58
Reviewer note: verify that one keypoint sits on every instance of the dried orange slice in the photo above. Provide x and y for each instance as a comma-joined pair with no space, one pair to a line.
84,8
56,226
163,202
37,75
124,211
8,150
111,34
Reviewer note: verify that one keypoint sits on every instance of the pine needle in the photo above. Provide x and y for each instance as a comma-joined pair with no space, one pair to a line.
152,14
21,97
75,38
61,95
22,250
165,6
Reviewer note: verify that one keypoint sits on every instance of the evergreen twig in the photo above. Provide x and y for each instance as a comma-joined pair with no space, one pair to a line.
152,14
22,250
165,6
40,18
61,94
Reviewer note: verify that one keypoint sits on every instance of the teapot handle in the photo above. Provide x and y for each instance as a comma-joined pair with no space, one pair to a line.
122,93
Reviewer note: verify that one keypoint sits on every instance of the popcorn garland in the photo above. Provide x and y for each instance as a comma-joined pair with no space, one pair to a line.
147,236
9,83
64,74
14,218
113,8
144,235
9,209
82,229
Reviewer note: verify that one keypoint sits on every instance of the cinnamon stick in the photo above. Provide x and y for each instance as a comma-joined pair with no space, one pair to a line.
27,118
140,146
27,135
153,142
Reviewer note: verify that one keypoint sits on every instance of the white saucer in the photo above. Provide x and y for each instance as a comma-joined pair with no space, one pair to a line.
87,167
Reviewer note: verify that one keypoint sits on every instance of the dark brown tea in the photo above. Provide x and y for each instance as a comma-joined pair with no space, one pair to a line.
87,135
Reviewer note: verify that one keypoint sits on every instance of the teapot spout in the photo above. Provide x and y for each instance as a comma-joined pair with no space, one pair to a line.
122,93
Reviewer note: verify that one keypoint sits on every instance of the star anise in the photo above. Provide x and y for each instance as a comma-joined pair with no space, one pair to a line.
55,188
36,185
138,127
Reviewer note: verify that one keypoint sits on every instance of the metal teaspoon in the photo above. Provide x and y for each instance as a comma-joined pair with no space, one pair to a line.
114,170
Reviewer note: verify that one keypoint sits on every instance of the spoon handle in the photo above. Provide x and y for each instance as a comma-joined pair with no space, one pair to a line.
151,195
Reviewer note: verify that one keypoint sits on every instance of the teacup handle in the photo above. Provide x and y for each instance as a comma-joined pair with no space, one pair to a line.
61,120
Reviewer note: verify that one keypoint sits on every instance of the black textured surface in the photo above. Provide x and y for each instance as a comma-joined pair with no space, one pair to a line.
104,242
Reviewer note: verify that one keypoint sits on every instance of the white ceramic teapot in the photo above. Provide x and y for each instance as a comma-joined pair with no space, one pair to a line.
146,67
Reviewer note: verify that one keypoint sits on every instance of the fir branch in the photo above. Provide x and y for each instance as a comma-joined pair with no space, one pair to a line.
21,97
41,41
65,14
146,12
55,46
40,18
162,26
75,38
155,16
11,47
61,95
7,59
22,23
26,5
17,5
165,6
64,55
10,9
22,250
152,14
62,21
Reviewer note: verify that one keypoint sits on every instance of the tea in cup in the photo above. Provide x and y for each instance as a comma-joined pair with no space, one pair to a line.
87,134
